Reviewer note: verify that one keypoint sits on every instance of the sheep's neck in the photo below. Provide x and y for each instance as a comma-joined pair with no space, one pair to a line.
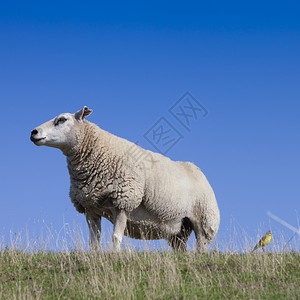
90,157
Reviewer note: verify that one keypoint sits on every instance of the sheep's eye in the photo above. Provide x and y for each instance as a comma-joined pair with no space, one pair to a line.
61,120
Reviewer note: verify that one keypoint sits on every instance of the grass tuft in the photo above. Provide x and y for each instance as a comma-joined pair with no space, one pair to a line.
148,275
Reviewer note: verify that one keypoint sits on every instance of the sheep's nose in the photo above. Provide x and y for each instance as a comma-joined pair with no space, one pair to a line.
34,132
33,135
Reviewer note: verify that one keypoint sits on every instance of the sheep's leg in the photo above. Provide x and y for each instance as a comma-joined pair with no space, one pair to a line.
94,223
202,242
205,223
179,242
120,221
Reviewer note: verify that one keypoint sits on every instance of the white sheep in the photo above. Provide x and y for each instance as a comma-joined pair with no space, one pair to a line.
151,199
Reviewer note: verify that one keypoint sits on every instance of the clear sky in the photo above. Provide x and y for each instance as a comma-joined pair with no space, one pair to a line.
130,62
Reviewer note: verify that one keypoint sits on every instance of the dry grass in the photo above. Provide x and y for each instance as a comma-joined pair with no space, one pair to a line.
148,275
30,270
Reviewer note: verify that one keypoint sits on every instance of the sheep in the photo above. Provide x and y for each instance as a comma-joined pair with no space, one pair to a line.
153,198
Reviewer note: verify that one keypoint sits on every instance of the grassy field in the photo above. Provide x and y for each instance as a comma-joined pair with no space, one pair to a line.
148,275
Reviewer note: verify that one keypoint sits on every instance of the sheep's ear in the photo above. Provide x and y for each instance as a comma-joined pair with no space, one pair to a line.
83,113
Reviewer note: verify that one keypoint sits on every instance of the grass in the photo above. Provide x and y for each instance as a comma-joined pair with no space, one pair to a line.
148,275
43,267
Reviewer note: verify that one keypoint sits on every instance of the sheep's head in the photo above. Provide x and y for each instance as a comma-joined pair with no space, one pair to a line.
60,132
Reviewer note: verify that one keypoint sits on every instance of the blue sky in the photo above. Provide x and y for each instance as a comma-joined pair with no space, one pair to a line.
130,62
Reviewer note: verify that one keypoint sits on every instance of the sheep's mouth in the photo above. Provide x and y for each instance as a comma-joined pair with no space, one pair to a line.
35,140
